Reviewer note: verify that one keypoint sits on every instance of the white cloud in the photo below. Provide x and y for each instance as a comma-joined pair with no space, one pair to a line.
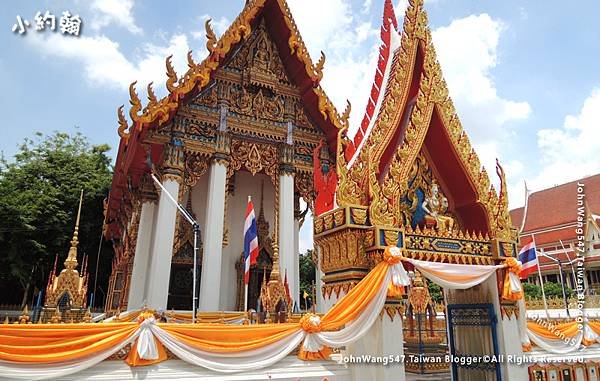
105,64
114,11
468,52
570,152
350,44
219,26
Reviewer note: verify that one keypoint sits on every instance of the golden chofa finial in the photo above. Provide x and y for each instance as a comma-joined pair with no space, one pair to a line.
71,261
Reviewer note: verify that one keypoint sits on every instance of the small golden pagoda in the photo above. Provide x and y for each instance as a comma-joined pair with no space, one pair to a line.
67,291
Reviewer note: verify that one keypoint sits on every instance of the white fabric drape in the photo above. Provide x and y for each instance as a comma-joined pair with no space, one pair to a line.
454,276
558,346
358,327
146,346
231,362
523,324
44,371
515,282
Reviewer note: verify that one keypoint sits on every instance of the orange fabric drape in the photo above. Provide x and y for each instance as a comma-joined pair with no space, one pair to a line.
353,304
507,293
52,343
227,337
567,329
595,326
322,354
133,358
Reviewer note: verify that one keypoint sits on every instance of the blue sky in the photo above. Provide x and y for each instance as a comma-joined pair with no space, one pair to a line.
524,75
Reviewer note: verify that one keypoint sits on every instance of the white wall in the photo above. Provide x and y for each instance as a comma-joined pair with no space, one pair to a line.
244,185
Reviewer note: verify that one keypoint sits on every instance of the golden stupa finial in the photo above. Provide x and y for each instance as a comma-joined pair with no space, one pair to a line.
275,273
71,261
24,318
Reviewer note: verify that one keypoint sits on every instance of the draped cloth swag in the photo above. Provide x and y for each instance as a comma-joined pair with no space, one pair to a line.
51,350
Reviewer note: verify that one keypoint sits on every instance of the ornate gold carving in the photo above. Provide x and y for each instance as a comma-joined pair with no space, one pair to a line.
134,100
342,250
350,190
380,209
255,158
123,126
196,166
211,38
359,215
257,105
209,98
509,311
305,187
69,283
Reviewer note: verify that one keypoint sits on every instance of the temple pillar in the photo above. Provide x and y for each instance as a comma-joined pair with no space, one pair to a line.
509,332
210,282
296,280
287,248
319,281
157,283
384,339
137,285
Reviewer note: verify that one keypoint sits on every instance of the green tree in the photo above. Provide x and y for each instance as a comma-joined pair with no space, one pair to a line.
307,278
39,194
435,291
532,291
554,290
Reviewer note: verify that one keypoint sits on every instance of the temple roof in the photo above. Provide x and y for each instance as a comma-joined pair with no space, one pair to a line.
132,156
551,213
410,113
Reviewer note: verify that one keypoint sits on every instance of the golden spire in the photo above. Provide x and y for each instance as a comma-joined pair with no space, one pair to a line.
71,261
275,277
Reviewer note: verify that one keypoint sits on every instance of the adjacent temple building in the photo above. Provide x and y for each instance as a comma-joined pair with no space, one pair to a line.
563,221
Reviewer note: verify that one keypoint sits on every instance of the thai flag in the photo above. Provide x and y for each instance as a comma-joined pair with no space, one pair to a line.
250,240
528,259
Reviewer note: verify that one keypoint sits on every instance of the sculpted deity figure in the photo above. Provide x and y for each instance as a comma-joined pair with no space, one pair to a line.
436,205
261,57
325,179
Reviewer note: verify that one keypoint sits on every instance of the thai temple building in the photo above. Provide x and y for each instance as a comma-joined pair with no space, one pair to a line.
402,203
569,227
66,292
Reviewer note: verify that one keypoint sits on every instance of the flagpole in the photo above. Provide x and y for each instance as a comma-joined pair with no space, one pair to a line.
541,281
246,282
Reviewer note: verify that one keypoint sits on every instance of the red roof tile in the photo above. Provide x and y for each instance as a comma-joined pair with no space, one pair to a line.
558,205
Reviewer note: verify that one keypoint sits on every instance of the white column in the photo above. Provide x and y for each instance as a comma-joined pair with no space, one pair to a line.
210,282
509,340
286,229
385,339
319,282
296,279
137,285
162,250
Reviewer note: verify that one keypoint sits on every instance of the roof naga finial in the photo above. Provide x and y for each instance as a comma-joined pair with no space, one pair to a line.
123,126
345,118
134,100
211,37
171,75
319,68
151,95
190,60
